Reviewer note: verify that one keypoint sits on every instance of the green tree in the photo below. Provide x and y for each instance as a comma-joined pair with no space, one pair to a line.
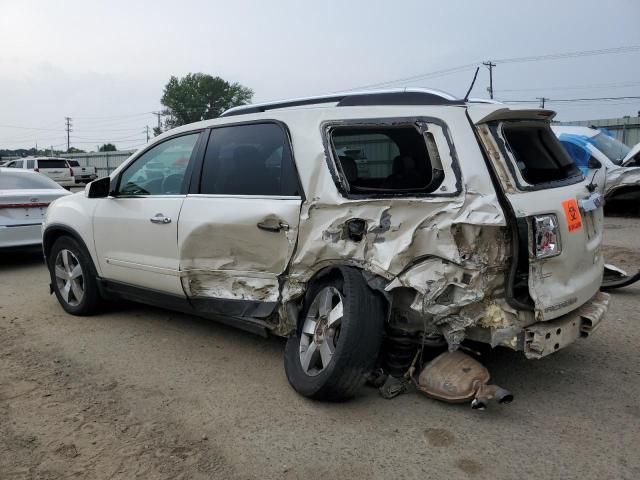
75,150
107,147
198,96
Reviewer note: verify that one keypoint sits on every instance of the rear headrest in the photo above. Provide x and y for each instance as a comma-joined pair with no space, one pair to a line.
349,167
246,155
403,164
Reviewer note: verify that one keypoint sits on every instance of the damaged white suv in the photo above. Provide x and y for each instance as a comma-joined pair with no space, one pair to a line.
363,227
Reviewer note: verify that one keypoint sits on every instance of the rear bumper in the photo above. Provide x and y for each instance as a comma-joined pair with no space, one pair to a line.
85,178
544,338
20,236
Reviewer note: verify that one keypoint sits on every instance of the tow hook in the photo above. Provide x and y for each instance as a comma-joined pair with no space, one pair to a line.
455,377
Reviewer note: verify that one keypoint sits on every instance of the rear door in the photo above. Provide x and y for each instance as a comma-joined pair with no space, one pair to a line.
238,228
554,205
136,228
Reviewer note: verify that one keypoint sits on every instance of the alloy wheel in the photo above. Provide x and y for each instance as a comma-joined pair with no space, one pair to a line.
69,277
321,331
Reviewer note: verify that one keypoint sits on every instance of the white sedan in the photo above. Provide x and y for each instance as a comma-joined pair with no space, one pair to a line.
24,198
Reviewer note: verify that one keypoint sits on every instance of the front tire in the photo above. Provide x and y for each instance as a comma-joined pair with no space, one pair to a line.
338,338
73,277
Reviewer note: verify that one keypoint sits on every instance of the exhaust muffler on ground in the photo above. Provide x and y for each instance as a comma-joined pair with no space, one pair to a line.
455,377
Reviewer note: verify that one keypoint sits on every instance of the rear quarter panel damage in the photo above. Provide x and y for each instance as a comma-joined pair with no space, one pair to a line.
450,251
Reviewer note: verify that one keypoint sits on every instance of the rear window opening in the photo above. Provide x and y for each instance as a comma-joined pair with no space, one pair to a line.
387,160
537,153
52,164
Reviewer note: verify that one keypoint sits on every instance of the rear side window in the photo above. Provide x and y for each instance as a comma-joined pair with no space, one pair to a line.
31,164
537,152
16,164
73,163
249,160
389,160
53,163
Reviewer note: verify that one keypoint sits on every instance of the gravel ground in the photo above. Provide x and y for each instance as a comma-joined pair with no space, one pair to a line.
138,392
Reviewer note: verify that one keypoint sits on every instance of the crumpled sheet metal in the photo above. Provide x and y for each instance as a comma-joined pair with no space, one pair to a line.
459,237
620,177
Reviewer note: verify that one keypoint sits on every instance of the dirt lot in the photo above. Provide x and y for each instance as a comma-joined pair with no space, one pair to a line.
138,392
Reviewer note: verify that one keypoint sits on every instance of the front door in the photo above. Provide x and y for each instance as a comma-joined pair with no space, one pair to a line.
238,232
136,228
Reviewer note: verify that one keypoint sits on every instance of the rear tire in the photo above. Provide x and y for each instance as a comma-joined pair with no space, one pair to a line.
335,347
73,277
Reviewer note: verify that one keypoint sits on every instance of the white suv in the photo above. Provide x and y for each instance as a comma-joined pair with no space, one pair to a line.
342,221
57,169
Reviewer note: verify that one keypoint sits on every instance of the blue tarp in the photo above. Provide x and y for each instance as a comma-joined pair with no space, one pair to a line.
578,148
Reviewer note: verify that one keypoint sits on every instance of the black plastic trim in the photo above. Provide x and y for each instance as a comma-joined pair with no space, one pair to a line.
355,99
234,313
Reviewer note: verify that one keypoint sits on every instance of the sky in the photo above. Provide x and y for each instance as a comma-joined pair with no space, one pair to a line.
105,63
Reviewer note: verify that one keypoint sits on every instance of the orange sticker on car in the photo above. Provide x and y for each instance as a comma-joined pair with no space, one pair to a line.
572,214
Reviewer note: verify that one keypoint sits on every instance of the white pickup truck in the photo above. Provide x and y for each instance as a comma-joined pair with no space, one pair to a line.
82,174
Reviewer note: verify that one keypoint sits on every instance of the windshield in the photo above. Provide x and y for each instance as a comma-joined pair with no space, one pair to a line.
21,180
612,148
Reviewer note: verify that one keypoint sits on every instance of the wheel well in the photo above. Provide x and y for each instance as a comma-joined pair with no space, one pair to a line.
53,233
334,272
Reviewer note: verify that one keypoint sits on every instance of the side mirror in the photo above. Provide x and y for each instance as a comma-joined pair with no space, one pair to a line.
99,188
594,163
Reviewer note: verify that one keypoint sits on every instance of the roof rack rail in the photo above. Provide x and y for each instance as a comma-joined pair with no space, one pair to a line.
405,96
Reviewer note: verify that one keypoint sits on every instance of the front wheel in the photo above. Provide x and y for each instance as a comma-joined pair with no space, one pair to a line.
337,340
73,277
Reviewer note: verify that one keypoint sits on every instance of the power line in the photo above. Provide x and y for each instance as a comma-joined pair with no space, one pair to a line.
532,58
582,53
575,87
562,100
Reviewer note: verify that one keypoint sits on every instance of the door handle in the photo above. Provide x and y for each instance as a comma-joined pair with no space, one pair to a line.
161,219
273,225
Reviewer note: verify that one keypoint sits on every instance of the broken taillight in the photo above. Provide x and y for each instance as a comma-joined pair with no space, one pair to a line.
546,236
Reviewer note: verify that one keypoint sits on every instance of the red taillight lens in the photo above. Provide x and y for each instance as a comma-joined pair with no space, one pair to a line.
70,171
546,236
23,205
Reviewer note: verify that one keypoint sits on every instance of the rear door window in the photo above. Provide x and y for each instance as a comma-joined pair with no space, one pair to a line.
249,160
537,153
53,163
31,164
73,163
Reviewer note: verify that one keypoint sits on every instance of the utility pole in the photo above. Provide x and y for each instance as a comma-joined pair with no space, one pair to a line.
146,129
490,66
159,115
542,100
68,124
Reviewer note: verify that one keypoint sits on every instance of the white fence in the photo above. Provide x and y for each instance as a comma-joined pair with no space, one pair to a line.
105,162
